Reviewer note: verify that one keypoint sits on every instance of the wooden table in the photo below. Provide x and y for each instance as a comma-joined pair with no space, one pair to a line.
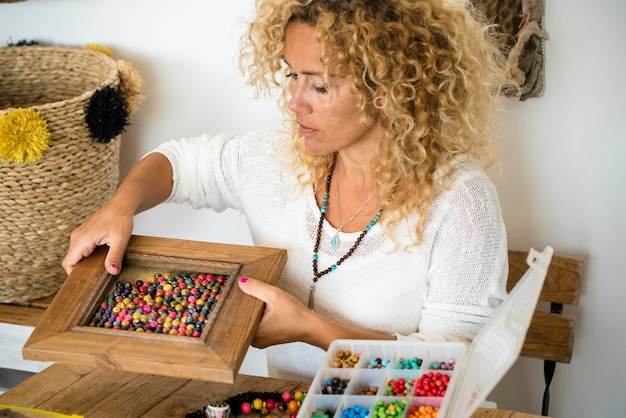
114,394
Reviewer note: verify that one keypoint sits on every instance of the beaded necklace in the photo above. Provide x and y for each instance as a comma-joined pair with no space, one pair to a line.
317,274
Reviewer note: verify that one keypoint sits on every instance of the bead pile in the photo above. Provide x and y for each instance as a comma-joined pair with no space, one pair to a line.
174,304
409,364
323,413
390,409
355,411
335,386
449,365
261,402
345,359
423,411
377,363
399,387
415,363
431,384
367,390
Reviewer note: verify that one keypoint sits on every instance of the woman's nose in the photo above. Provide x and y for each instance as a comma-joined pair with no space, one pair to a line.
297,102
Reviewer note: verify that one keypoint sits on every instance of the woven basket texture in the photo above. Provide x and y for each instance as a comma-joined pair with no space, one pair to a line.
42,202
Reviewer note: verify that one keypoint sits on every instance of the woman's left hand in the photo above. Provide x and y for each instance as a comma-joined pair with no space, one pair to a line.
284,320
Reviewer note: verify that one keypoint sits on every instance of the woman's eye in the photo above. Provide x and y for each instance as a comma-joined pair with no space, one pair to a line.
319,89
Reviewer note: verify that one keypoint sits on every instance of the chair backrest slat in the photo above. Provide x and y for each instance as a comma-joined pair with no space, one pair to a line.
550,335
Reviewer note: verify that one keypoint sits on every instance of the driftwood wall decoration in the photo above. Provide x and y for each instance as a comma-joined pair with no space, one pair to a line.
522,23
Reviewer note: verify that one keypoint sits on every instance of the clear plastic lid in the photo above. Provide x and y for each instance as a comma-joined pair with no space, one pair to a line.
499,342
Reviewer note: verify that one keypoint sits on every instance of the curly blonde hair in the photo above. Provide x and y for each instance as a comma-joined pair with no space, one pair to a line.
432,68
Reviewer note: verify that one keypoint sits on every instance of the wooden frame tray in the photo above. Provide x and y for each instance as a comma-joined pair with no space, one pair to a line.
63,334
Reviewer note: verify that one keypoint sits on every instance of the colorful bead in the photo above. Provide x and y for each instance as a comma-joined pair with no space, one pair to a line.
355,411
414,363
168,307
345,359
399,387
423,411
246,408
367,390
387,410
257,404
449,365
293,406
378,363
326,413
431,384
334,386
261,402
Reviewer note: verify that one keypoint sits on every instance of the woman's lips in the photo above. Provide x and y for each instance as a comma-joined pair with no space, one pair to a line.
305,130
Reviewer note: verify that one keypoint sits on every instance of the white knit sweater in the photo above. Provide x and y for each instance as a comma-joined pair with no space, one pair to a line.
443,290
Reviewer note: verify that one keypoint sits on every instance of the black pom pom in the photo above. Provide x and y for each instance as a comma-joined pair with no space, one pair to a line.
23,42
107,114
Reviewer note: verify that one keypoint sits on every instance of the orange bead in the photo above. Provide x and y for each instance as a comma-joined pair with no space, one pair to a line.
293,405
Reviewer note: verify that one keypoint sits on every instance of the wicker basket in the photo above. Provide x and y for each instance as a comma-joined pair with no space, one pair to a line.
42,202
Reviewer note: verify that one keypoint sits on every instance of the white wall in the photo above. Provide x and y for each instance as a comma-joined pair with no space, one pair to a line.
560,184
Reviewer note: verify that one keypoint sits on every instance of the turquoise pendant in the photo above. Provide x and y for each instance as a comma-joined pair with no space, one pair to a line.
334,242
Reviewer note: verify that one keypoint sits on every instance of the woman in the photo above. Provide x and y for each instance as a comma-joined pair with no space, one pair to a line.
375,186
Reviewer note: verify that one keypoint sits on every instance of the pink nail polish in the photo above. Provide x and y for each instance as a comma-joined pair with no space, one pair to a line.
115,266
243,279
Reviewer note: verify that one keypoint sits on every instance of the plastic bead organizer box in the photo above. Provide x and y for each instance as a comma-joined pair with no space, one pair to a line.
477,369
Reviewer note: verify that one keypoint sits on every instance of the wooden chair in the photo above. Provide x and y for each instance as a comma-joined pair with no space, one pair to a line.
550,336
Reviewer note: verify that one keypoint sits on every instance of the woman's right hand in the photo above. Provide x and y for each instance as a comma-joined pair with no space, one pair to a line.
108,226
147,184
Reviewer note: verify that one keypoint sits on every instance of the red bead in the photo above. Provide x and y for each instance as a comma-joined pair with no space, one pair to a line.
246,408
270,404
286,396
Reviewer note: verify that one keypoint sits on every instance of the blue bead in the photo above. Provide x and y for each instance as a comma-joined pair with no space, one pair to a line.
333,267
315,256
325,196
323,210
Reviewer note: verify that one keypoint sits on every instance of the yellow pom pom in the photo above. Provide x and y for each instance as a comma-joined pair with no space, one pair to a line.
24,136
100,48
130,85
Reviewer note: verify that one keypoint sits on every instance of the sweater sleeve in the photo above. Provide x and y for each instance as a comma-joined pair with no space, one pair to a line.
203,170
468,265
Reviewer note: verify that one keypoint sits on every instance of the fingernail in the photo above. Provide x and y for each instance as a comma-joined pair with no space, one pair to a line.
243,279
115,266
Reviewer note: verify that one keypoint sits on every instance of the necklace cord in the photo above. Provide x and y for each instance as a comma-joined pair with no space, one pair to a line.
335,240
